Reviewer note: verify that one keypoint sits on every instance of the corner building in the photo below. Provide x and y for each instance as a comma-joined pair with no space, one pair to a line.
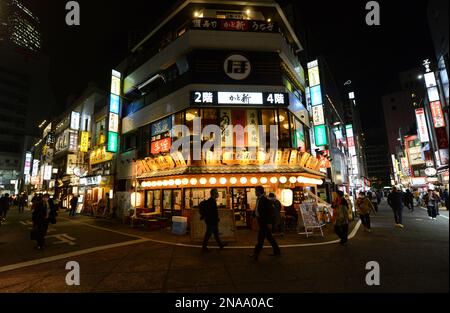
221,63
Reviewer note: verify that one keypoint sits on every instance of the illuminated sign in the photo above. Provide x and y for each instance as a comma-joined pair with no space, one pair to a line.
234,22
433,94
430,79
115,83
113,140
351,95
84,142
422,125
162,126
318,117
415,155
34,171
114,104
313,76
75,120
73,141
316,95
320,135
47,172
312,64
405,167
27,167
438,116
113,125
160,146
239,98
99,156
92,180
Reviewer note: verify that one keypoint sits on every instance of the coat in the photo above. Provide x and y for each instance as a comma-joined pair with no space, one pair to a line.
363,205
395,200
265,210
211,213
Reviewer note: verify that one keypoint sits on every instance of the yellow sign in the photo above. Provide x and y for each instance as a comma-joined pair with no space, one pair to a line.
100,155
84,142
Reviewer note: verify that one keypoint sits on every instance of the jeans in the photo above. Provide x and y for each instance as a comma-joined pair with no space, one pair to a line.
342,232
21,206
432,212
42,232
73,211
263,233
365,220
398,215
211,229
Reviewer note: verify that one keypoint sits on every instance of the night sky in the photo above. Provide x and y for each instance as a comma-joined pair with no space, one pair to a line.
370,56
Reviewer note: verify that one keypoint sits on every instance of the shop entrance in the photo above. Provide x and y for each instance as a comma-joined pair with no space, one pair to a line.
243,203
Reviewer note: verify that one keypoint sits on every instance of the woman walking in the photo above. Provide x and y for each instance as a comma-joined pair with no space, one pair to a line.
364,206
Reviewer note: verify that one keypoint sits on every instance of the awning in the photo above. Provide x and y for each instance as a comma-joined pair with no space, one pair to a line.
233,169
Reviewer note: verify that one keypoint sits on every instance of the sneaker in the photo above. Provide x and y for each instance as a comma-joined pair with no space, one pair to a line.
223,245
434,218
429,217
369,230
400,226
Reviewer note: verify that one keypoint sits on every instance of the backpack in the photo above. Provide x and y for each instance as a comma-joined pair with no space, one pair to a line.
202,209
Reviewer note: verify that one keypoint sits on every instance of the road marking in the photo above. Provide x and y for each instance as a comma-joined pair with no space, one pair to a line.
103,228
142,240
68,255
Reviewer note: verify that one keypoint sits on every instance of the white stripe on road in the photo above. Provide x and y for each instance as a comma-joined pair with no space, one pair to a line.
68,255
142,240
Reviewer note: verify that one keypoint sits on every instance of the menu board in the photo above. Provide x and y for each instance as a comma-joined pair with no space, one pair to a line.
227,227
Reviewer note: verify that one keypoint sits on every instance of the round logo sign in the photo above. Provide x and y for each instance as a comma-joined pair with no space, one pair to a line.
237,67
430,171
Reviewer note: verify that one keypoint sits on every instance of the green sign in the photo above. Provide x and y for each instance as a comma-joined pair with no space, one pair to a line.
112,142
320,135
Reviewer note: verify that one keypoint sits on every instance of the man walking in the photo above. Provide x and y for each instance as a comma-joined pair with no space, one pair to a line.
409,200
264,215
395,201
210,213
73,205
278,224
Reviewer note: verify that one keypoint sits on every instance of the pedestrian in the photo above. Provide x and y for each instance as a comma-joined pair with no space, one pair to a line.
340,216
73,205
264,214
445,198
374,200
278,225
43,213
4,206
409,200
210,214
432,202
417,197
379,196
21,202
364,206
350,207
395,201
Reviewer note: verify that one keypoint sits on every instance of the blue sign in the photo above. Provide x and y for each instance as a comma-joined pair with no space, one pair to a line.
316,95
114,104
162,126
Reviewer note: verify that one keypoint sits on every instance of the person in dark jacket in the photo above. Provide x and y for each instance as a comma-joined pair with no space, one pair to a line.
73,205
211,217
264,213
44,212
4,206
409,200
395,201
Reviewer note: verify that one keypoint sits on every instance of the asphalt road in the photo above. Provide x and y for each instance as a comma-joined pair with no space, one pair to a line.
413,259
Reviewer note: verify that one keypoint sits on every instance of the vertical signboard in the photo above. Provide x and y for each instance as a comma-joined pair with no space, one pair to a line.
422,125
114,110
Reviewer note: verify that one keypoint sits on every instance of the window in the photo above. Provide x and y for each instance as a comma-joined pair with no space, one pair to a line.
283,126
209,117
191,114
267,119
